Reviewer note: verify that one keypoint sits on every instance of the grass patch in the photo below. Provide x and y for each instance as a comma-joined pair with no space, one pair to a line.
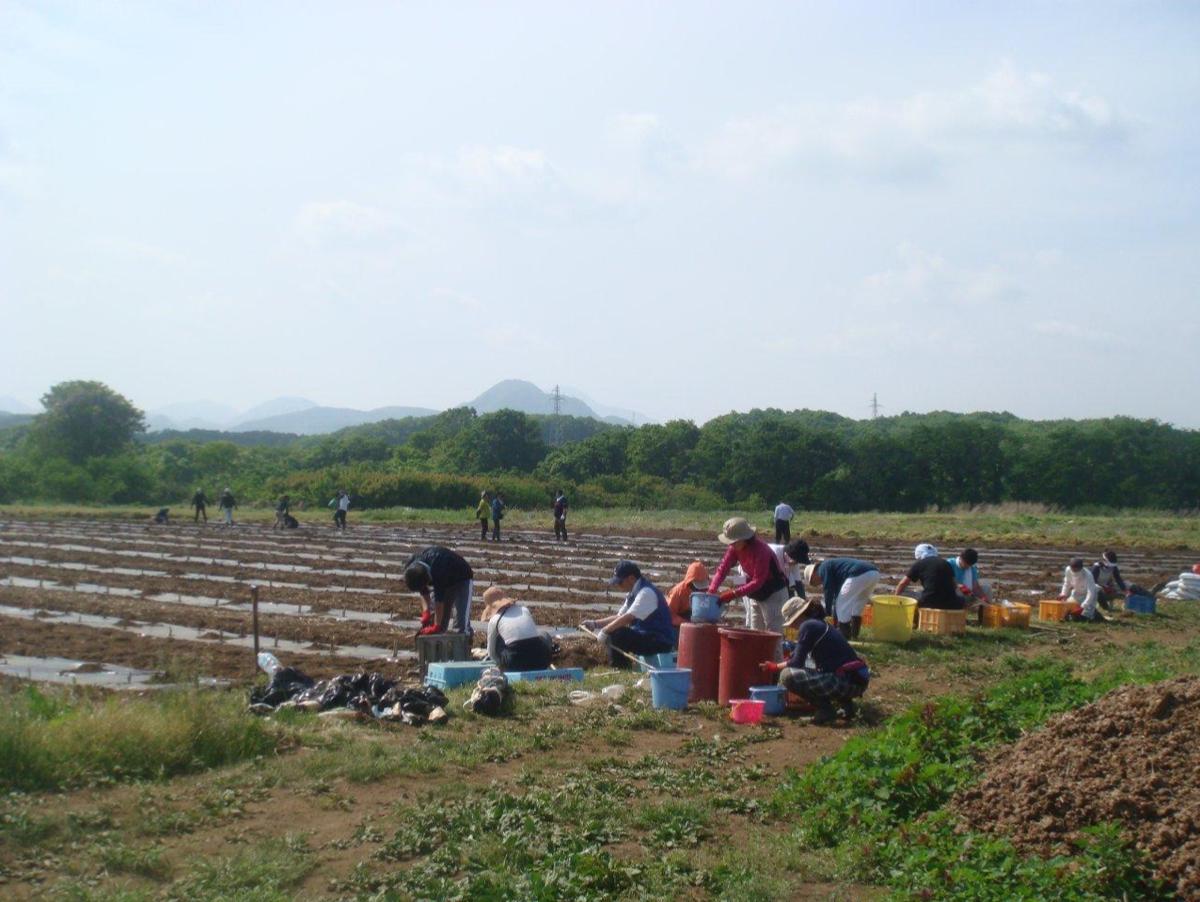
52,739
263,873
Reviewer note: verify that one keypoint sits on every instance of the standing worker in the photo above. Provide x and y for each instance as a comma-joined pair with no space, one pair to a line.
342,500
560,517
444,580
765,589
847,584
642,625
498,507
283,512
483,511
226,504
1080,585
200,503
783,523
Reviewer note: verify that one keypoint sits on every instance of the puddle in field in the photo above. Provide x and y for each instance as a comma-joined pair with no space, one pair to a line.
192,634
70,672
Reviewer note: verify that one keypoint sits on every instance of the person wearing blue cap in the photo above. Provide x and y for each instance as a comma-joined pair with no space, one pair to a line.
642,626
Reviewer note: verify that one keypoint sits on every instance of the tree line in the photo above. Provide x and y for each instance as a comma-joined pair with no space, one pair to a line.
90,446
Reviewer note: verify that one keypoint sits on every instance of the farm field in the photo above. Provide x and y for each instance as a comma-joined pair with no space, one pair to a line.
555,801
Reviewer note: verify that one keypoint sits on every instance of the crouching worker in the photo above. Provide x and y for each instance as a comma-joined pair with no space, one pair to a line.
513,638
679,599
642,626
444,580
838,676
1080,586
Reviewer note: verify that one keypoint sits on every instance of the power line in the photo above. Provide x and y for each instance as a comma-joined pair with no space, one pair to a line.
557,437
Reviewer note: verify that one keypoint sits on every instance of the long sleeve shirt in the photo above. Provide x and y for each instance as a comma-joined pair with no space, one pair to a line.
757,561
834,573
828,647
1080,586
1106,574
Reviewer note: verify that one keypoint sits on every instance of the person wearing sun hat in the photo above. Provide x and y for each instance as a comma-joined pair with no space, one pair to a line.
642,625
847,584
836,676
765,590
514,641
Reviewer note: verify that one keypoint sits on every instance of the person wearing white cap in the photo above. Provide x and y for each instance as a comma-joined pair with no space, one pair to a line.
847,584
766,587
936,576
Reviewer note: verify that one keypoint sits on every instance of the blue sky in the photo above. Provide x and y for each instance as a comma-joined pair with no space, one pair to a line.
681,208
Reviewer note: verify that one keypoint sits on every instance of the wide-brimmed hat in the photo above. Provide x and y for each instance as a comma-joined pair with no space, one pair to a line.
736,529
809,572
495,601
809,606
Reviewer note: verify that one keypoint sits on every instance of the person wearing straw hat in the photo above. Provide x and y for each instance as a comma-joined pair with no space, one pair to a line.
642,625
514,641
836,676
847,584
766,587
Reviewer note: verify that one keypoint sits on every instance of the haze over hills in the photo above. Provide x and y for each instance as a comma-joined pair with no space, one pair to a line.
305,417
9,404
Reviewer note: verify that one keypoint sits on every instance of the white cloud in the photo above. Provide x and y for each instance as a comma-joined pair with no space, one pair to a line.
924,281
912,136
503,167
1073,331
343,222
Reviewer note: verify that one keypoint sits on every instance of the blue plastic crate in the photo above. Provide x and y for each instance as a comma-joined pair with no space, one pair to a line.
448,674
564,673
1140,604
662,661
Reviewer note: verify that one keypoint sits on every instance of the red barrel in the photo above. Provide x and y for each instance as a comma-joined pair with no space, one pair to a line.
700,650
741,653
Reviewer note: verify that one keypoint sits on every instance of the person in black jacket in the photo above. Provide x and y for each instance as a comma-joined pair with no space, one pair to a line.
200,503
1108,579
445,581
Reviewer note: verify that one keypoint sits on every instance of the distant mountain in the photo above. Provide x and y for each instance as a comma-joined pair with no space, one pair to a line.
517,394
12,405
610,414
191,415
273,408
319,420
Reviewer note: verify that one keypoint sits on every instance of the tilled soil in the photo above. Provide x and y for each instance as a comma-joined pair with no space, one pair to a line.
1131,758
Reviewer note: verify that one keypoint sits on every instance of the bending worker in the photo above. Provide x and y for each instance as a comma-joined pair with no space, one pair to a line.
1079,585
642,625
444,580
936,576
839,676
679,599
847,584
766,587
513,638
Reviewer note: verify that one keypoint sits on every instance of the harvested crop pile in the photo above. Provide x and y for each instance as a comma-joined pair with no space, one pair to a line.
1130,758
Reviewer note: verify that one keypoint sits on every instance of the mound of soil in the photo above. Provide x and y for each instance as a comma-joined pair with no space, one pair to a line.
585,653
1132,758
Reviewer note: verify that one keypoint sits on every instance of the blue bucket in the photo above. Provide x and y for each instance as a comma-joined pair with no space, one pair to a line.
774,699
670,688
706,607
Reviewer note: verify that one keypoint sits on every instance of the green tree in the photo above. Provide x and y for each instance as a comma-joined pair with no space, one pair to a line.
84,420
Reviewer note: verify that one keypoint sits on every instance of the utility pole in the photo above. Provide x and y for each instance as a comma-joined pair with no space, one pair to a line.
557,434
875,406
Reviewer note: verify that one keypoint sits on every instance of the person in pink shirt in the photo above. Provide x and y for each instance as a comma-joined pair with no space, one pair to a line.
765,590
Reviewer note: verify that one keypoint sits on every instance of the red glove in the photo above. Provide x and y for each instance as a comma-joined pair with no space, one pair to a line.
429,630
965,590
771,667
426,618
727,596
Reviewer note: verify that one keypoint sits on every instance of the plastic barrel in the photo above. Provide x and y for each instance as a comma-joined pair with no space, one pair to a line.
706,607
669,688
741,653
700,652
775,698
893,617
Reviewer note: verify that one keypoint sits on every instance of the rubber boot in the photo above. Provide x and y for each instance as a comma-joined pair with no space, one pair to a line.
825,714
849,709
855,626
844,629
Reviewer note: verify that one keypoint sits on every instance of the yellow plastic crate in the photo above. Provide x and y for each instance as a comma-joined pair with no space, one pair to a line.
1017,616
942,623
993,615
1052,609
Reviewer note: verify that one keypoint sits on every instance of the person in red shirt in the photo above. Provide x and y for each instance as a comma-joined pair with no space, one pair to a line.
765,590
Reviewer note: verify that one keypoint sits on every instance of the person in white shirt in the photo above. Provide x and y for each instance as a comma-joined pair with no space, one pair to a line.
783,523
342,500
1079,585
514,641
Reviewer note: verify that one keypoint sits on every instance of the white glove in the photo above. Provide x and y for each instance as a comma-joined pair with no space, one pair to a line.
602,637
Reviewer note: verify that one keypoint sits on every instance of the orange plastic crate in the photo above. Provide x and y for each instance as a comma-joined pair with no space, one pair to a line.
1053,609
993,615
943,623
1016,616
867,618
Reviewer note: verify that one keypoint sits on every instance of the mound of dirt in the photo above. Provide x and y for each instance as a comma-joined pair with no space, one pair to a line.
585,653
1132,758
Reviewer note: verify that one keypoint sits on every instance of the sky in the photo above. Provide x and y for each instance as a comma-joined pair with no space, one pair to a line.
681,208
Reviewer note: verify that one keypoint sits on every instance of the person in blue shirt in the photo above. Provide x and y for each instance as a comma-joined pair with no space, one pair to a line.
498,507
837,675
973,592
642,626
847,584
